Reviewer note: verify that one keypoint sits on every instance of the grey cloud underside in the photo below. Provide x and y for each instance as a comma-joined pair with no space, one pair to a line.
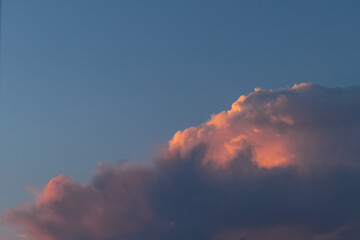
179,197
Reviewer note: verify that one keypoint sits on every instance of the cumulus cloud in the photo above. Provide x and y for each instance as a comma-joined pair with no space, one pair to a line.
280,164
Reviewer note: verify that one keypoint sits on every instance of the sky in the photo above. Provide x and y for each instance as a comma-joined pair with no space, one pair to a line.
84,82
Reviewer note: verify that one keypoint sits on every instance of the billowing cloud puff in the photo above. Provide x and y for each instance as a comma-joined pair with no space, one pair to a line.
280,128
280,164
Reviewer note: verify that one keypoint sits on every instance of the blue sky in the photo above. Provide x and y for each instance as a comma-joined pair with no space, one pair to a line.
88,81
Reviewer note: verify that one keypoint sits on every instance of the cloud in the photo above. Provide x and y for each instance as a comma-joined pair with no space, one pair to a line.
285,127
280,164
21,235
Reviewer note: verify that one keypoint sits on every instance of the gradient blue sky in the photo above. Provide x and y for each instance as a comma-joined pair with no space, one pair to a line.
88,81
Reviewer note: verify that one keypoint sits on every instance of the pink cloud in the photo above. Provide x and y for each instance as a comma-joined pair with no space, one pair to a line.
279,164
94,211
22,235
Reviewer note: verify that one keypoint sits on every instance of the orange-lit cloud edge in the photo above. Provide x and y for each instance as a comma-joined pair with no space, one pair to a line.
255,171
